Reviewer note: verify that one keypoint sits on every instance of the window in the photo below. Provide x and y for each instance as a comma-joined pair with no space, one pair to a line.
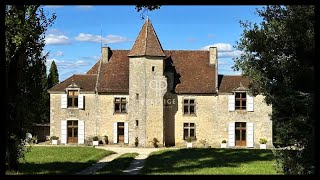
120,105
189,107
137,123
73,98
137,96
241,101
153,68
189,130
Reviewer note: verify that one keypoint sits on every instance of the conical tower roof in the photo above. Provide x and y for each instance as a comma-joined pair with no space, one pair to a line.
147,42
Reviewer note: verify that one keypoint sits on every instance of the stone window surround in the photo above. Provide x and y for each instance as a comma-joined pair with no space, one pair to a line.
240,99
72,89
114,105
195,105
189,127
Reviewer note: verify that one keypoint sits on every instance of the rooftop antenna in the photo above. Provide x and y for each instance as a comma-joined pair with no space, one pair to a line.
101,38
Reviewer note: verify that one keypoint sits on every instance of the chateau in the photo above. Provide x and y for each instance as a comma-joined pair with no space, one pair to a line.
147,92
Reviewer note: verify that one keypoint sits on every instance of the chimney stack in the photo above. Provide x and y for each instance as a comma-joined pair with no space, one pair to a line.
213,56
105,54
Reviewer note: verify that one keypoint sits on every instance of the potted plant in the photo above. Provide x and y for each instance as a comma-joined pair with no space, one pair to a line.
263,143
54,140
35,139
189,142
95,141
223,144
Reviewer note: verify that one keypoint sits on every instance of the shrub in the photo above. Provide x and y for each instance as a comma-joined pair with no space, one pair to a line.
224,141
54,138
136,142
95,138
263,141
189,139
155,142
106,140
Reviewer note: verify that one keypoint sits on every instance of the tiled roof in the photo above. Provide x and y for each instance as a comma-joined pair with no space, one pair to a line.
114,75
147,42
94,69
196,75
229,83
86,82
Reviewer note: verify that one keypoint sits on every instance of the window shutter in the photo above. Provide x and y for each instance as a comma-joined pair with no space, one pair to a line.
231,102
126,139
80,132
63,132
249,103
115,133
81,101
63,100
231,134
250,135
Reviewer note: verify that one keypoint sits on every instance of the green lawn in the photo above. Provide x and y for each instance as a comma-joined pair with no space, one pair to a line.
210,161
118,165
59,160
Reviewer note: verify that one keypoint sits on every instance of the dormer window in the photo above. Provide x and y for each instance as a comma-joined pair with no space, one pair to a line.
73,98
240,101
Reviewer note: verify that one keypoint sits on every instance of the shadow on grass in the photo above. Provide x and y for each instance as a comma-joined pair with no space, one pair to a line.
118,165
189,160
67,168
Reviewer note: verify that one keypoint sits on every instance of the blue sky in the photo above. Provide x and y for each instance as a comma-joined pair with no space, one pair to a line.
74,39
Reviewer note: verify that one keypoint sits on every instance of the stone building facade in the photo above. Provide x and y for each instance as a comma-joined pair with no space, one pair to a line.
144,94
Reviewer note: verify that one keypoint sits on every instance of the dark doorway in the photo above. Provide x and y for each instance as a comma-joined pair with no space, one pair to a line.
120,132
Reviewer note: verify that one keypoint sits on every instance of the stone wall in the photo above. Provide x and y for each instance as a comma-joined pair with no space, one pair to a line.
212,119
145,77
98,115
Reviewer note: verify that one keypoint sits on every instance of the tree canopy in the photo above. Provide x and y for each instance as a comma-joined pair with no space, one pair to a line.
25,75
278,56
53,77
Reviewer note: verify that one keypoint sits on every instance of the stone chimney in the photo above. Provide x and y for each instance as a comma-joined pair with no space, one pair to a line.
106,53
213,60
213,56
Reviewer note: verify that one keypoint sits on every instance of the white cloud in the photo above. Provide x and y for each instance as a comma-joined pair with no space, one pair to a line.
91,57
231,54
221,47
97,39
52,39
59,53
225,50
67,64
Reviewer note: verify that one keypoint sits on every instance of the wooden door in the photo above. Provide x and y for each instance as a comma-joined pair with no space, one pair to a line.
240,133
72,131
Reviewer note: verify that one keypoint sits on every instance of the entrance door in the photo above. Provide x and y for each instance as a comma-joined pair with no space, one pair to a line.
241,134
120,132
72,129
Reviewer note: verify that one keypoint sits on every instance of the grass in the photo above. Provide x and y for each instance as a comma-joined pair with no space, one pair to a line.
210,162
118,165
59,160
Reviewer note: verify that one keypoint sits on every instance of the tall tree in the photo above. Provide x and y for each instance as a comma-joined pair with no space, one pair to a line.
53,77
25,27
278,57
